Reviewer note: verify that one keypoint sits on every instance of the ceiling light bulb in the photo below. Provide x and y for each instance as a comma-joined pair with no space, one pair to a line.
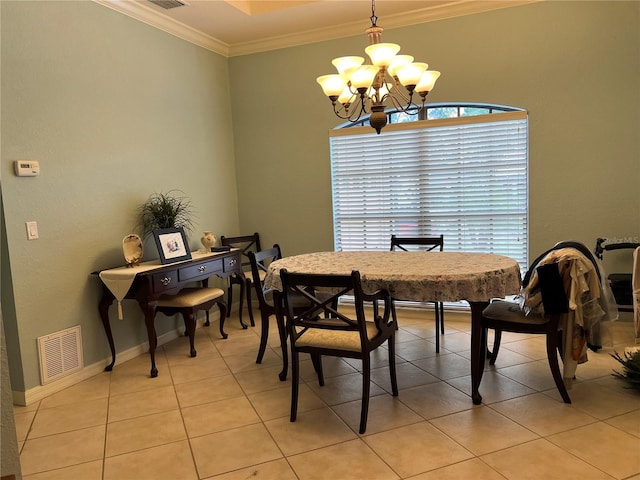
332,85
411,73
342,64
427,81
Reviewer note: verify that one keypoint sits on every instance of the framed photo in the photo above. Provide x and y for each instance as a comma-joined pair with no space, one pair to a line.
172,245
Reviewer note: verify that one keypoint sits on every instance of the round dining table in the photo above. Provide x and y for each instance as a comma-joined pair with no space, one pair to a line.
417,276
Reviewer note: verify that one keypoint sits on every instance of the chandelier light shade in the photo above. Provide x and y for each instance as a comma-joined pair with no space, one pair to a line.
389,80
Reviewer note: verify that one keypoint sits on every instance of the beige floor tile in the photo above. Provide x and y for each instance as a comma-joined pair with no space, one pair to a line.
379,358
32,407
274,470
261,380
145,402
62,450
351,460
541,459
312,429
178,351
84,471
165,462
629,422
90,389
385,412
603,399
610,449
469,469
535,375
493,388
445,366
455,342
217,416
417,349
245,362
65,418
416,449
276,403
23,423
133,375
144,432
242,342
345,388
331,367
414,332
542,414
408,375
231,450
476,430
435,400
207,390
198,369
534,347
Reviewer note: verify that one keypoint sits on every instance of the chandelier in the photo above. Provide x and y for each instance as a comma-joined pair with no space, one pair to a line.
394,79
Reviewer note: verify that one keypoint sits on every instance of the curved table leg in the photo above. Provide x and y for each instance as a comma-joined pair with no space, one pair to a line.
103,308
149,310
478,352
223,314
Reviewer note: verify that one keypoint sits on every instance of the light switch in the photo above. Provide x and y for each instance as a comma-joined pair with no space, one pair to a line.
32,230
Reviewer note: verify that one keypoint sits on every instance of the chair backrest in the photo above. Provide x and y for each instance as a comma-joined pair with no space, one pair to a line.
566,244
552,289
322,293
259,261
247,243
420,243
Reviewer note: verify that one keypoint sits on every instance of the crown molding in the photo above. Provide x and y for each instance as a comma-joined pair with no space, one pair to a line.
438,12
167,24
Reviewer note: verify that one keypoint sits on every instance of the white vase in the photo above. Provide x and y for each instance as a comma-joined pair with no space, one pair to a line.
208,240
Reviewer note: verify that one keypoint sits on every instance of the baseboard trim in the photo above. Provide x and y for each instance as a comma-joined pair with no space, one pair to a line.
35,394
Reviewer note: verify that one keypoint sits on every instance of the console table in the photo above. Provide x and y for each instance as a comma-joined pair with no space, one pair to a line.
150,280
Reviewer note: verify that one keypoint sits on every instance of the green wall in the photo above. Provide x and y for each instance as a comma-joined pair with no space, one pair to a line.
113,110
573,65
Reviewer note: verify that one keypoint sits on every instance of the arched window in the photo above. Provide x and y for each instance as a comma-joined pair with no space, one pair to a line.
461,172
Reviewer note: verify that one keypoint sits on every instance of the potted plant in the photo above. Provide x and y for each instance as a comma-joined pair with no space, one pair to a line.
631,368
165,210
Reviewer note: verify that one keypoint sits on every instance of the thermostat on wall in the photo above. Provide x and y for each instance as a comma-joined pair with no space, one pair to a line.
27,168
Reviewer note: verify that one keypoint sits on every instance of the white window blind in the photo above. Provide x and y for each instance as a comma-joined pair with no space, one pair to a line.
465,178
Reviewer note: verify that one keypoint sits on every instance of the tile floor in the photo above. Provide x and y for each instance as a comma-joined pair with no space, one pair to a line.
221,416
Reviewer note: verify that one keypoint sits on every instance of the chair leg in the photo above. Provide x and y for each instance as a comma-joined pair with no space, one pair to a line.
552,355
189,317
441,304
229,296
497,337
295,380
366,385
316,359
391,346
437,328
264,335
249,306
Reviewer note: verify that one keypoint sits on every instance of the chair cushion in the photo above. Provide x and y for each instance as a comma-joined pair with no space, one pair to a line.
336,339
190,297
511,312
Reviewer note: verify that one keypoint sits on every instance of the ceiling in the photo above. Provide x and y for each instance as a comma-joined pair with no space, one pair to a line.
240,27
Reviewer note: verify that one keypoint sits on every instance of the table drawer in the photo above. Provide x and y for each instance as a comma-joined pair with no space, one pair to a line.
232,264
165,280
202,270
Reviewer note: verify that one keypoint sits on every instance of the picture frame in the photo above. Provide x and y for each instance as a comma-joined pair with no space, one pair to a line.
172,245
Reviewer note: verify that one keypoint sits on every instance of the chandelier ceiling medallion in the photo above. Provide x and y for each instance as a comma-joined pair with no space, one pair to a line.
360,89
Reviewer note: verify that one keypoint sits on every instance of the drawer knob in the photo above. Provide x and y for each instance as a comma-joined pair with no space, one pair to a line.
165,281
233,261
202,268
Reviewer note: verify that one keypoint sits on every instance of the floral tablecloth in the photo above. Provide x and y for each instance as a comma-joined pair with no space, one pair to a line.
413,276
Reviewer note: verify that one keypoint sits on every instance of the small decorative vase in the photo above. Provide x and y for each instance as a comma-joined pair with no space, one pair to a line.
132,249
208,240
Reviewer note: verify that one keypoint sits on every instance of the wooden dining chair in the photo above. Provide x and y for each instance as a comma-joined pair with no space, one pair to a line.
246,243
427,244
320,329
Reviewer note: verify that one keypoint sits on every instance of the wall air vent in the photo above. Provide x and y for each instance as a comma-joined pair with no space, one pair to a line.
60,354
169,4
